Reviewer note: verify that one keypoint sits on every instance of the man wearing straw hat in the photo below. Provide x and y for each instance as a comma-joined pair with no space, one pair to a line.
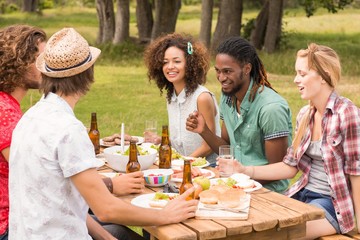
53,179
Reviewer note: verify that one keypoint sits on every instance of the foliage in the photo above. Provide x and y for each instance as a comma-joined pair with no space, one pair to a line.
332,6
46,4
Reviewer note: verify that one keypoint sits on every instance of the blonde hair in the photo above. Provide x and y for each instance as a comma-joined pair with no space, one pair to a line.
326,63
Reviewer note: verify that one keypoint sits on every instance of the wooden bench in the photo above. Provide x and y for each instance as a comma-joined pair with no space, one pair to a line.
347,236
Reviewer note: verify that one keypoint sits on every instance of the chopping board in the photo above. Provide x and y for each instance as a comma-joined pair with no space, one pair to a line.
202,213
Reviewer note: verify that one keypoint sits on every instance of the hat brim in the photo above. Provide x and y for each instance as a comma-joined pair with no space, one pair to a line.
40,65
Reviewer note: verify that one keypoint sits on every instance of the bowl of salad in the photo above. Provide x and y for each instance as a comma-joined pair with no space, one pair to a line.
118,160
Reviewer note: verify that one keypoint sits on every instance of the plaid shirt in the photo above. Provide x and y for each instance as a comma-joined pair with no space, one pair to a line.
340,149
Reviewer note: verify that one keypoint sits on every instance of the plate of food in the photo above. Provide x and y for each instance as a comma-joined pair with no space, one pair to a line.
178,175
154,200
199,162
238,180
115,140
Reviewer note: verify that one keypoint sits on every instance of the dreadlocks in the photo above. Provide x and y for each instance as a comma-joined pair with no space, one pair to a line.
241,50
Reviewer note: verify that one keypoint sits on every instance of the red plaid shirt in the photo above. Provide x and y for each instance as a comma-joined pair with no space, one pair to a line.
10,114
340,149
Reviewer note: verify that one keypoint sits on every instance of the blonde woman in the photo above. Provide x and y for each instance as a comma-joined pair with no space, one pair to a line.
326,148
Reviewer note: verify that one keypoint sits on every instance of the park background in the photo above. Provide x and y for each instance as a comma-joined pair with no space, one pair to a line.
122,92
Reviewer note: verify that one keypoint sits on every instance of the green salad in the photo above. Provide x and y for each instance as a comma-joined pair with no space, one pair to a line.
141,151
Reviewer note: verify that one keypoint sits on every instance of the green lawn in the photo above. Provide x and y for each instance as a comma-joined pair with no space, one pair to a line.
122,92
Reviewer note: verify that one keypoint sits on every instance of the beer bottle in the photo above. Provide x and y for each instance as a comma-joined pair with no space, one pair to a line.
133,164
187,182
165,149
94,133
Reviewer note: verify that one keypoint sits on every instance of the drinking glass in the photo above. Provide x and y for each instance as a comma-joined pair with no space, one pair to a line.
226,167
150,133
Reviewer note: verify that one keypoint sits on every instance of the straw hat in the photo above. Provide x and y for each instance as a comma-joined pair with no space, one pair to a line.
66,54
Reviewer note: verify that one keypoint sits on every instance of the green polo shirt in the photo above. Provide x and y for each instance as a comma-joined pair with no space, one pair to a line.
267,117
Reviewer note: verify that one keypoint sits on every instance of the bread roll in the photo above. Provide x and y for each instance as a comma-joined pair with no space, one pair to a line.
231,198
209,196
220,188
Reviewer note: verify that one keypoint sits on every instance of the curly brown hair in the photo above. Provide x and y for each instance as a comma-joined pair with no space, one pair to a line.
197,63
18,50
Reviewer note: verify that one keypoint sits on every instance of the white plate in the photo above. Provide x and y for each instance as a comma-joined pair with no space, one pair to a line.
178,163
110,174
103,144
144,199
257,184
202,170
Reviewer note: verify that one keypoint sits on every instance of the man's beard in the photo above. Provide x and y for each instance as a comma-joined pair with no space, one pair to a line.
236,88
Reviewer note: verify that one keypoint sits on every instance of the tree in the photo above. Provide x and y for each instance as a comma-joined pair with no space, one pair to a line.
166,13
105,12
206,20
229,21
122,29
30,5
144,19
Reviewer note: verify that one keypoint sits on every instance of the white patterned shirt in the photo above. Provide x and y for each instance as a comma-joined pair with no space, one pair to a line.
49,145
184,141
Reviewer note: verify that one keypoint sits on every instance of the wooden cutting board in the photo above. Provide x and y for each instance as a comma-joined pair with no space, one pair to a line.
225,215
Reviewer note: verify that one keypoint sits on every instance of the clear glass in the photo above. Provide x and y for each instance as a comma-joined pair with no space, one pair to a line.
226,168
150,133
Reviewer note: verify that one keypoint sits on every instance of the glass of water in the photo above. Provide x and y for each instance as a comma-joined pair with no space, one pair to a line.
226,166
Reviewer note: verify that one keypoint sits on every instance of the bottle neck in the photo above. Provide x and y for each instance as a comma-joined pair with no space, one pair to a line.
187,172
133,157
93,121
165,136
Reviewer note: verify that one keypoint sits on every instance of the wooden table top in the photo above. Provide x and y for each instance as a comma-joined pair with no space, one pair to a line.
271,216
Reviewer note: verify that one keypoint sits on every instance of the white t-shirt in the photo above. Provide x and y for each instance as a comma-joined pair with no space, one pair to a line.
184,141
49,145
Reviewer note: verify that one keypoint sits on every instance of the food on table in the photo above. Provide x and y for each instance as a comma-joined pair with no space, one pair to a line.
141,151
201,183
200,161
195,172
115,139
228,182
209,196
220,188
231,198
161,199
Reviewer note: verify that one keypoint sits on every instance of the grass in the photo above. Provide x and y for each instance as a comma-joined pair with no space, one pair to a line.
122,92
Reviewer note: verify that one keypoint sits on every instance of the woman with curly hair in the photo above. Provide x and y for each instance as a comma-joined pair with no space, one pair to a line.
19,47
178,64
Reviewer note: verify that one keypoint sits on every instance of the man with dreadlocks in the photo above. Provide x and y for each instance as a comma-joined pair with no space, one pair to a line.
256,119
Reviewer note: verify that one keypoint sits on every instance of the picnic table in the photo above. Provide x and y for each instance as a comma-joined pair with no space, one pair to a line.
271,216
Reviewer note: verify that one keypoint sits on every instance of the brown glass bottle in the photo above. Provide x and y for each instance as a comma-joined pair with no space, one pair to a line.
94,133
187,182
165,149
133,164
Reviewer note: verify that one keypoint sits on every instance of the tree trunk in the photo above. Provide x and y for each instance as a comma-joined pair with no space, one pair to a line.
166,13
229,21
122,30
258,33
30,5
145,20
206,20
273,29
105,12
